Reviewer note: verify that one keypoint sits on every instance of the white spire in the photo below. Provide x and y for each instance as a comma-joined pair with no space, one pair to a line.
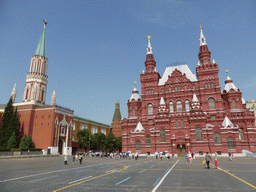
135,94
213,61
227,123
198,64
53,101
229,85
149,49
202,39
243,101
13,93
162,101
194,98
139,127
135,86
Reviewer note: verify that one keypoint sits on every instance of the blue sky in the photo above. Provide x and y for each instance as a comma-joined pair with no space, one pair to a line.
97,48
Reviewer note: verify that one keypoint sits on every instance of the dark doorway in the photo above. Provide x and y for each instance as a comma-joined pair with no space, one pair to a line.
181,150
60,146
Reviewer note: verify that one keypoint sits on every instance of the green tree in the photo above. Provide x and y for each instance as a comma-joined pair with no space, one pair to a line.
12,142
83,138
5,133
98,142
118,143
26,142
110,142
13,125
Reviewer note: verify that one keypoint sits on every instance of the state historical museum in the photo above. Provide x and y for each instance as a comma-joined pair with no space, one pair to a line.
182,111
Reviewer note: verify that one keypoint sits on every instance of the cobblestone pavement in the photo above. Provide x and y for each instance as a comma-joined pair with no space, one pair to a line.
105,174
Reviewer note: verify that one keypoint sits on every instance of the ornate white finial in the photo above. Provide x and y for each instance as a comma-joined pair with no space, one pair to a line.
53,101
202,39
45,23
198,64
149,49
13,93
213,61
226,71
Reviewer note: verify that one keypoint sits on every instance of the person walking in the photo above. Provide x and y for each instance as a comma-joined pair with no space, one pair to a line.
161,156
186,158
74,159
194,155
65,160
189,157
80,159
156,155
230,158
233,156
207,159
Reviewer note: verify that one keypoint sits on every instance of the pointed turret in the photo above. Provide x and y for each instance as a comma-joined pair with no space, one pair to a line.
41,47
150,62
204,54
229,83
195,103
36,81
135,94
117,114
53,101
13,93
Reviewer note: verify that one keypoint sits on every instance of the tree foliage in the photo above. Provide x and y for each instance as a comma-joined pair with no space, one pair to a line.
98,142
26,142
118,143
12,142
83,138
110,142
9,125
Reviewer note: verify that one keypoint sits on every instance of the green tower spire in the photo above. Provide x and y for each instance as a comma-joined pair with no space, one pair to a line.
117,114
41,48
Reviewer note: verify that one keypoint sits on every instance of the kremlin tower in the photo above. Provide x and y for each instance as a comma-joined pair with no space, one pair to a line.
116,122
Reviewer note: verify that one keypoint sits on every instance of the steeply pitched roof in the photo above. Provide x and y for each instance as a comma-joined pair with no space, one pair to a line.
117,115
139,127
227,123
41,48
182,68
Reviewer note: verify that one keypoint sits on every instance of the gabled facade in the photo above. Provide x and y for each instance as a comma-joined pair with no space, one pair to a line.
182,111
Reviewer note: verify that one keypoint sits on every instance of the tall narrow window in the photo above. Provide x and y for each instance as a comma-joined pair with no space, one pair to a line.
182,124
212,85
133,112
170,89
217,138
179,106
42,95
185,87
206,85
176,88
241,134
138,145
162,90
194,87
171,107
187,105
162,135
176,124
198,134
148,141
179,87
231,143
234,104
209,85
211,104
26,95
150,109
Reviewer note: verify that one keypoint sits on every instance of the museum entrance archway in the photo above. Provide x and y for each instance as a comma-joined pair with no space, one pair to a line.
181,150
60,146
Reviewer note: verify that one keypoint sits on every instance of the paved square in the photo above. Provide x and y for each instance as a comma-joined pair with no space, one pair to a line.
105,174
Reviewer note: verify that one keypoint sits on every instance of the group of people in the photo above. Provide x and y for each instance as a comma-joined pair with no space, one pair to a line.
76,157
231,156
160,155
189,156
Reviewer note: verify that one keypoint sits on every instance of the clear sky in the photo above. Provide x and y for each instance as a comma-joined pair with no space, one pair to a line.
97,48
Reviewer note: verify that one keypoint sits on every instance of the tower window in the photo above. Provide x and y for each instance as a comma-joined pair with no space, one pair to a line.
198,134
170,89
133,112
211,104
176,124
162,90
150,109
187,105
171,107
182,124
179,106
212,85
234,104
206,85
194,87
185,87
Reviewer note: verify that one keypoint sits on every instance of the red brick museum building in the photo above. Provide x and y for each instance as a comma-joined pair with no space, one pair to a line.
182,111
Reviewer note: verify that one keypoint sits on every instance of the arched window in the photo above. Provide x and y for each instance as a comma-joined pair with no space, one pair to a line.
81,127
187,105
26,95
231,143
206,85
171,107
211,104
170,89
179,88
162,90
212,85
162,135
217,138
176,88
194,87
241,134
198,134
42,95
185,87
234,104
150,109
133,112
209,85
148,141
182,124
179,106
138,145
